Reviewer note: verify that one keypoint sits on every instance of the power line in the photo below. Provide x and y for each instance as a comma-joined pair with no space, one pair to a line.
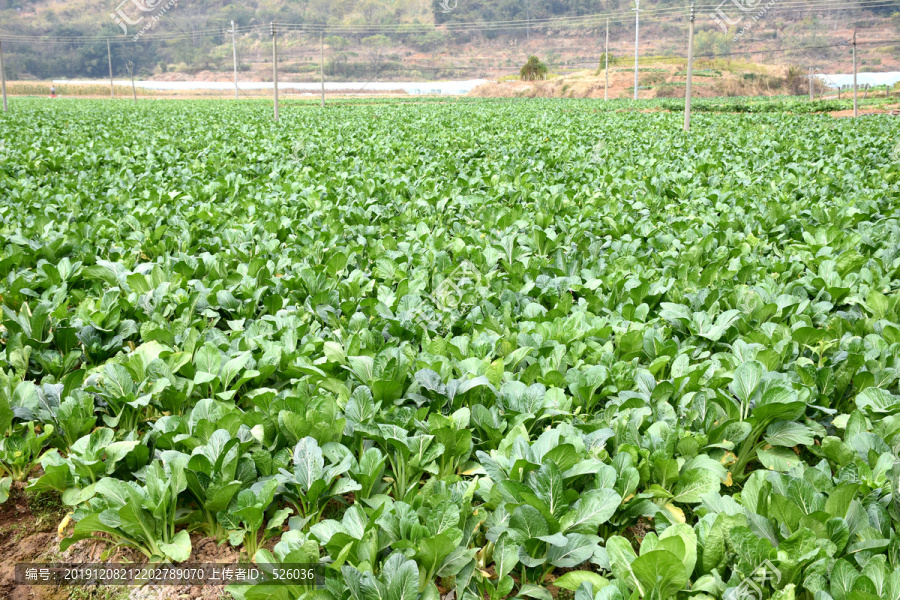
594,20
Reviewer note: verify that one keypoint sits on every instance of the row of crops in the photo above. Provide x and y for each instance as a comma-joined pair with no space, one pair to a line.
486,349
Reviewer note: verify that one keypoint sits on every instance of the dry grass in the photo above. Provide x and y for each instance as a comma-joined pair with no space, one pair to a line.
737,79
41,88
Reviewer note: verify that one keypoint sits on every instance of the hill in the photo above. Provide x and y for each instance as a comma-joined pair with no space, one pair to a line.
421,39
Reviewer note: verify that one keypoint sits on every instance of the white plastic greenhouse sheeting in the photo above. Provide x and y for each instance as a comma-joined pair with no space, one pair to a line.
410,87
845,80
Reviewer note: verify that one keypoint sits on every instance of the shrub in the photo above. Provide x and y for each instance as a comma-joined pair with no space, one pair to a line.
533,70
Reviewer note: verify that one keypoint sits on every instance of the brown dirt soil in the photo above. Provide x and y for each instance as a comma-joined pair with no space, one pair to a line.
204,550
640,529
662,80
840,114
28,533
26,536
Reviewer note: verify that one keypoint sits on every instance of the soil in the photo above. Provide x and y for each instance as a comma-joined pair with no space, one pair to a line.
657,80
204,550
585,86
640,529
840,114
29,533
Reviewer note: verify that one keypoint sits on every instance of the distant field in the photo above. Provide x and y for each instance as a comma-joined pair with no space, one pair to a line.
505,348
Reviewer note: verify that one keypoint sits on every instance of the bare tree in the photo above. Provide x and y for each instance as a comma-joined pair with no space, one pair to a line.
376,47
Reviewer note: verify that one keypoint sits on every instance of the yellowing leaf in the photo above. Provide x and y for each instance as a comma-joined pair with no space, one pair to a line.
677,513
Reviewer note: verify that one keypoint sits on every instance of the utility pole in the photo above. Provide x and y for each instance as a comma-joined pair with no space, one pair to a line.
3,78
690,71
855,88
811,90
606,68
112,93
275,67
322,64
527,20
234,52
131,72
637,25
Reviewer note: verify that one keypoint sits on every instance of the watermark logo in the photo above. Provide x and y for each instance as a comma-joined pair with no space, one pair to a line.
447,7
454,293
730,13
298,151
598,152
751,588
895,153
123,19
143,13
748,25
450,293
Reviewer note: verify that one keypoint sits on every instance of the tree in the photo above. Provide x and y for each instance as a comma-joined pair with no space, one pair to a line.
375,46
339,54
712,43
533,70
370,11
428,42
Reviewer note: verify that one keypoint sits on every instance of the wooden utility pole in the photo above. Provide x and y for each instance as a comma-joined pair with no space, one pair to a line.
3,78
275,67
690,72
606,68
637,26
322,64
855,88
112,93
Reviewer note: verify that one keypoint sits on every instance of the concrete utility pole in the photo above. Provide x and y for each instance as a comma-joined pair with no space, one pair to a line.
131,72
322,64
637,26
812,95
606,68
234,52
527,20
112,93
275,67
855,88
3,78
690,71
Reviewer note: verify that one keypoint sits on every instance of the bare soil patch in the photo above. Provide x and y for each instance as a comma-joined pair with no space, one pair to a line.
841,114
28,533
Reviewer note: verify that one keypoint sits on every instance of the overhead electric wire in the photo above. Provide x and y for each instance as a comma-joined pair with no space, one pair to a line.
456,26
658,14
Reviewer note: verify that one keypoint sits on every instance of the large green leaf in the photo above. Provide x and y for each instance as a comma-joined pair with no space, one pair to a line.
179,549
694,484
660,573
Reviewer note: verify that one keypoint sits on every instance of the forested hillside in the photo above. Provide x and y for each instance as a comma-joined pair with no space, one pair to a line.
391,39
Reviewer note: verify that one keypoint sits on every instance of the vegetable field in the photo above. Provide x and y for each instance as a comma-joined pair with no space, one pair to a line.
461,351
